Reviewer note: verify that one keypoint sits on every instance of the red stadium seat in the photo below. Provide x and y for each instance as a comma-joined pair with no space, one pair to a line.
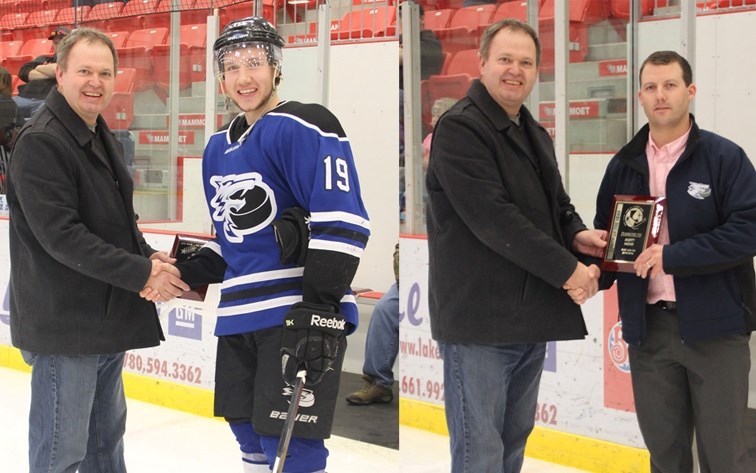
41,19
735,3
437,19
454,86
465,62
134,15
517,9
120,111
13,21
582,14
582,11
30,50
101,14
621,8
191,57
10,48
162,15
462,32
137,54
463,68
71,15
367,23
118,38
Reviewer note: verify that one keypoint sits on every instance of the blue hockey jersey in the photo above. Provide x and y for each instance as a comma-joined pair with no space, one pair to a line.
296,155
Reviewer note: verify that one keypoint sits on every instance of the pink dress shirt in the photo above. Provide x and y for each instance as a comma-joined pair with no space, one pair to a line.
660,161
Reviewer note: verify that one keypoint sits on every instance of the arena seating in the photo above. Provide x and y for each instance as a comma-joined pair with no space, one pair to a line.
120,112
13,21
118,38
621,8
437,19
30,50
464,23
71,15
366,23
137,54
191,57
100,14
135,15
9,48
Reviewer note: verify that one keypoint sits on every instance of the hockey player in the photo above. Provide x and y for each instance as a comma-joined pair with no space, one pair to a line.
285,299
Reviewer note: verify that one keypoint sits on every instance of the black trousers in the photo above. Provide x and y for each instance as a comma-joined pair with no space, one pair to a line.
682,388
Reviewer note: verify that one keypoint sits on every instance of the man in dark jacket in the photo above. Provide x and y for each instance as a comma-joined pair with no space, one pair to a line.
688,309
39,76
500,233
78,261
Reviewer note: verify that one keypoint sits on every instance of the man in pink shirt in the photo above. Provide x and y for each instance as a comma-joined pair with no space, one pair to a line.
689,307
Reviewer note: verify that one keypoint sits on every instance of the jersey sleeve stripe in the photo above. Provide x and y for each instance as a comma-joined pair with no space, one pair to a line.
326,245
321,217
343,233
294,285
263,277
258,306
271,304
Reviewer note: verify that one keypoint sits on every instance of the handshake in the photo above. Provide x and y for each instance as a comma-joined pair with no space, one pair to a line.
583,284
165,281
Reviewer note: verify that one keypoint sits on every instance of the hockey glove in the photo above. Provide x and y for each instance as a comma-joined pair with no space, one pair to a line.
292,235
311,338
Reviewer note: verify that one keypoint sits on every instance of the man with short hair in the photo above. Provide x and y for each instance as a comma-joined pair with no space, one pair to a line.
501,240
689,307
39,76
78,261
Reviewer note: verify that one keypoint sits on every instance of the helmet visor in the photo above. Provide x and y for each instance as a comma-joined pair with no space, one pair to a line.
234,58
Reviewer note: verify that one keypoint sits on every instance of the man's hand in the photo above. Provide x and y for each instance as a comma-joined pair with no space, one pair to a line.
311,339
164,282
583,284
162,256
590,242
650,262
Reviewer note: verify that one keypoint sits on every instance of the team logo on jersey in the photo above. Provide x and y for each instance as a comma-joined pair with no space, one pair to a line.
307,399
243,203
699,191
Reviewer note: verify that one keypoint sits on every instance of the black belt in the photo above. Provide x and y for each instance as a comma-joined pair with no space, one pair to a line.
665,305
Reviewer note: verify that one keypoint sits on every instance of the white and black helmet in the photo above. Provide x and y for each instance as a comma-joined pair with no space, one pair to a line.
252,32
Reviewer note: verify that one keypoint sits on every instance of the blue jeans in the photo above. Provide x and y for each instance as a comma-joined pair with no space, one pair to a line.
382,342
491,393
78,414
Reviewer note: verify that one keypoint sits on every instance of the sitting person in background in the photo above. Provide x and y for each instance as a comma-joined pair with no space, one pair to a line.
381,347
10,121
39,76
440,106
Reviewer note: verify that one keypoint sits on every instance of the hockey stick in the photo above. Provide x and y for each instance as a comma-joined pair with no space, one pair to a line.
291,414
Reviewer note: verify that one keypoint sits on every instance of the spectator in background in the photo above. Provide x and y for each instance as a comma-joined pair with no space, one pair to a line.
381,347
431,62
39,76
440,106
10,121
431,53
